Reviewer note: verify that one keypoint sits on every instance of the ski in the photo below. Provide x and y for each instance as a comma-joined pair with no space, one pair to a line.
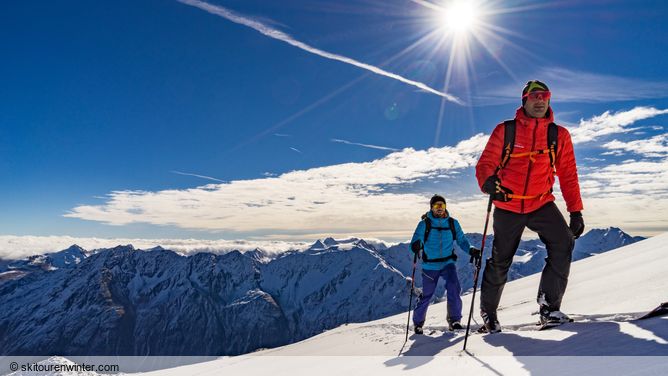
549,325
658,311
483,330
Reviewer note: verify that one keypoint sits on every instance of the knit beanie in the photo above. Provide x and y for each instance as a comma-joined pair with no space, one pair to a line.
531,86
435,199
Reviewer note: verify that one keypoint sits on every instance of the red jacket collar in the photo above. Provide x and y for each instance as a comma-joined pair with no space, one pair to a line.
522,117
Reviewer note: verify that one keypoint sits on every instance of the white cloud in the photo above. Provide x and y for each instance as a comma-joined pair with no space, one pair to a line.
611,123
637,179
615,153
656,146
342,199
279,35
633,194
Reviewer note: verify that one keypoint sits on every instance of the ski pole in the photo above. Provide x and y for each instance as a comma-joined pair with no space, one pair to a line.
410,302
477,269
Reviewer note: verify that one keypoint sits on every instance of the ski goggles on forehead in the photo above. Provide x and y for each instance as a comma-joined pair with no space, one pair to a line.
438,205
536,95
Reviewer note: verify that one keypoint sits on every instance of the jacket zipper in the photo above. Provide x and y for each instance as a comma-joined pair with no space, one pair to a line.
526,182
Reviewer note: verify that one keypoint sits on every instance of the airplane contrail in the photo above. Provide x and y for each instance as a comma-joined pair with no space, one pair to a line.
427,4
198,176
279,35
363,145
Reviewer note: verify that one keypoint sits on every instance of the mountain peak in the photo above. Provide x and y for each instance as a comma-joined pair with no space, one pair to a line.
318,245
330,241
601,240
74,247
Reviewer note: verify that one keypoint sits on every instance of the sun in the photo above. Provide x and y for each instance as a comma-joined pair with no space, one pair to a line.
460,16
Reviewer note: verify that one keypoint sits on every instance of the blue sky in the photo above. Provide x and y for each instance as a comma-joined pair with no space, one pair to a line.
181,120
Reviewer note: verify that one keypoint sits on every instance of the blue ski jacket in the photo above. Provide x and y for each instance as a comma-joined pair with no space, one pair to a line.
440,243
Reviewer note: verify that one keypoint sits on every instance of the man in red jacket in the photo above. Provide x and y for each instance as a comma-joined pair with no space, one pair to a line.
520,182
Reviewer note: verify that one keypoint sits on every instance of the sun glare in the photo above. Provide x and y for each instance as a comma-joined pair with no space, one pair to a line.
459,17
458,32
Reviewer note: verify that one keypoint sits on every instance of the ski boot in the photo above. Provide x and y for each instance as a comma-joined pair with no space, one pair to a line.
454,325
550,318
490,323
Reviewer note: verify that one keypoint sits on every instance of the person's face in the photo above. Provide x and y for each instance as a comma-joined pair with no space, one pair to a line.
438,209
537,103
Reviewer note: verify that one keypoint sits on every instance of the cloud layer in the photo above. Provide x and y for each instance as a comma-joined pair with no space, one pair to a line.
18,247
339,199
612,123
379,199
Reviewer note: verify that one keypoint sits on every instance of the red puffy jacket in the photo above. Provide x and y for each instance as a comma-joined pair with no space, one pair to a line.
531,178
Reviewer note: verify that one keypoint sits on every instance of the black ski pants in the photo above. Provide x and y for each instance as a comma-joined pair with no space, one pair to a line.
558,238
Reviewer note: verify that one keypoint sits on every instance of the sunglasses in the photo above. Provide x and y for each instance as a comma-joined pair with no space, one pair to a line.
438,206
536,95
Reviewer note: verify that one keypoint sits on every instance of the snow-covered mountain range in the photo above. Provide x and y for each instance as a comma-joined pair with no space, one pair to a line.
607,295
123,301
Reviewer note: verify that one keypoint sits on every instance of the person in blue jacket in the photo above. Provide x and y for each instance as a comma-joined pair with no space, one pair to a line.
434,241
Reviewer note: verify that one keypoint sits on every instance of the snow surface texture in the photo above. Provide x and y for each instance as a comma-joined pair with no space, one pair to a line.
606,292
122,301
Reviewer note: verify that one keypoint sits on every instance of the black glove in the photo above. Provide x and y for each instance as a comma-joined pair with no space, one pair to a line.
475,254
416,246
577,224
493,187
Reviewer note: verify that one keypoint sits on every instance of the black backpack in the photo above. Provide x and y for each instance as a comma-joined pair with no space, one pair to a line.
427,230
509,143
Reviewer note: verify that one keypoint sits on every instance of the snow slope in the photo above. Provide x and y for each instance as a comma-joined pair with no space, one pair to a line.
606,292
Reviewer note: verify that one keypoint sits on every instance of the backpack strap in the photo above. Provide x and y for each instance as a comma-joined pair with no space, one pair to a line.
552,143
451,223
427,228
508,143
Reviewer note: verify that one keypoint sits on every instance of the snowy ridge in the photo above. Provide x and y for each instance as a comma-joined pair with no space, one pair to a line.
50,261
